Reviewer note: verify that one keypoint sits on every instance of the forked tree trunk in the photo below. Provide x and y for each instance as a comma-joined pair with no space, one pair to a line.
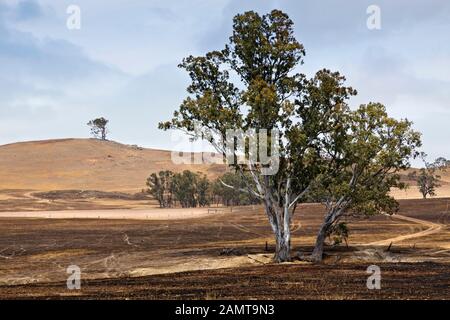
331,217
317,254
279,219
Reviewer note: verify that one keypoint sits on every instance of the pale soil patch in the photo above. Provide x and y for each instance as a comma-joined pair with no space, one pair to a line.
59,254
151,214
378,255
6,197
209,264
195,265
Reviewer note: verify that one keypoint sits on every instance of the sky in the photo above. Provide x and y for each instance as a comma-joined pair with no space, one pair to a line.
122,62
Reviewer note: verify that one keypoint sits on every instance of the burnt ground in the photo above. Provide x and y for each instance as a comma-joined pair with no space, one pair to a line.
344,281
128,259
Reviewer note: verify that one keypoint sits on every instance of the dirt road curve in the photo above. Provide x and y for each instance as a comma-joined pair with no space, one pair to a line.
152,214
432,228
176,214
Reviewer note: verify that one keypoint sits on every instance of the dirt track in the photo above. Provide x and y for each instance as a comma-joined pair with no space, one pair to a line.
432,228
124,214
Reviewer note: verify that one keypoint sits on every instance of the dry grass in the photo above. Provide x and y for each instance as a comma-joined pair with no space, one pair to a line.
85,164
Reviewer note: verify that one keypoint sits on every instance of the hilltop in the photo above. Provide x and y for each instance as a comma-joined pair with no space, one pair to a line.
85,164
91,164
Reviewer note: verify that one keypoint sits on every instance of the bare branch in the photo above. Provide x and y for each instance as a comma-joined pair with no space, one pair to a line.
242,189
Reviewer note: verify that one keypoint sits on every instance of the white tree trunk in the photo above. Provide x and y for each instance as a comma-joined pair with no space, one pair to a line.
283,247
281,231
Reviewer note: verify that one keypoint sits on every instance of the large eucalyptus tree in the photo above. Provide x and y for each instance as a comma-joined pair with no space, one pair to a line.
254,84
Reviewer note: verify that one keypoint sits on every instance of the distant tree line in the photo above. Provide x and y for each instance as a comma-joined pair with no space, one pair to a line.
190,189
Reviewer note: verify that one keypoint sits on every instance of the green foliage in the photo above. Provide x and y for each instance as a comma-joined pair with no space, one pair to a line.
229,190
427,182
361,166
98,128
364,161
264,53
428,179
338,233
264,47
346,159
190,189
160,186
203,187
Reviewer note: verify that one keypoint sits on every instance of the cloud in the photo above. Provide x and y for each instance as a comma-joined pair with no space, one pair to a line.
381,76
28,9
143,102
122,63
45,84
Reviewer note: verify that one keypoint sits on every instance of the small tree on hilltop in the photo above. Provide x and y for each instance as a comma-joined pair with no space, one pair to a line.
98,128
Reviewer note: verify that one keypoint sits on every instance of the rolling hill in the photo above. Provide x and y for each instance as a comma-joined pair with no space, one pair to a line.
85,164
91,164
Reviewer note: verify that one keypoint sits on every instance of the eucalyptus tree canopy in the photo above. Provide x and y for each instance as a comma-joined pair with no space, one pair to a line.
364,163
253,85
